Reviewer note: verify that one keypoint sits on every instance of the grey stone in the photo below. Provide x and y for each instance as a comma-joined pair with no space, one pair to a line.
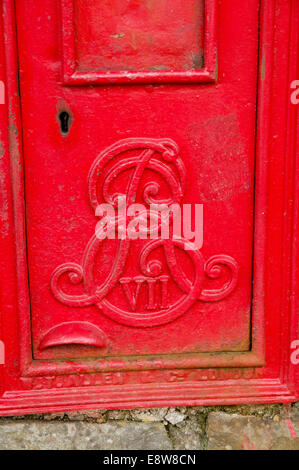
41,435
237,432
150,415
284,443
174,416
188,435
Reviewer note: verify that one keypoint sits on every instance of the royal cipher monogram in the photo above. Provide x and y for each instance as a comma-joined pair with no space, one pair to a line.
146,300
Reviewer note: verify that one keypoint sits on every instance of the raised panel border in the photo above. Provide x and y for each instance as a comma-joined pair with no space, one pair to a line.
275,254
208,74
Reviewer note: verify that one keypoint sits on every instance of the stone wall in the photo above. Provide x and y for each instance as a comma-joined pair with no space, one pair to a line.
229,428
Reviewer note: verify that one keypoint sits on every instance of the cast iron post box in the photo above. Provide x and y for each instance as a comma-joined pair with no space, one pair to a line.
114,108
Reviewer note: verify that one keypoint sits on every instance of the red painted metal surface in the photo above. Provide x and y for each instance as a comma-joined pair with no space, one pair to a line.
192,107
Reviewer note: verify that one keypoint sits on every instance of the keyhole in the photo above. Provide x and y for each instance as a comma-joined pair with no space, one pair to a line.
64,119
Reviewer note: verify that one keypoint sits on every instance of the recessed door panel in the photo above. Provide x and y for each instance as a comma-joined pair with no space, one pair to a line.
155,101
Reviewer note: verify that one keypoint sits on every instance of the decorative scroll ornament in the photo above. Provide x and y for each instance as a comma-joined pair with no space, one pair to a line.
134,157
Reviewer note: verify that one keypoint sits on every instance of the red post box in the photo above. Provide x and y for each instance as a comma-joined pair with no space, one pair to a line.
122,119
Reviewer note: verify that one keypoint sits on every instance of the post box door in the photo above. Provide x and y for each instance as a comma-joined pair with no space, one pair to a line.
156,102
113,109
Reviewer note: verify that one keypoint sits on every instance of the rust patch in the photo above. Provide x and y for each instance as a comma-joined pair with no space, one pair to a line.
118,35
